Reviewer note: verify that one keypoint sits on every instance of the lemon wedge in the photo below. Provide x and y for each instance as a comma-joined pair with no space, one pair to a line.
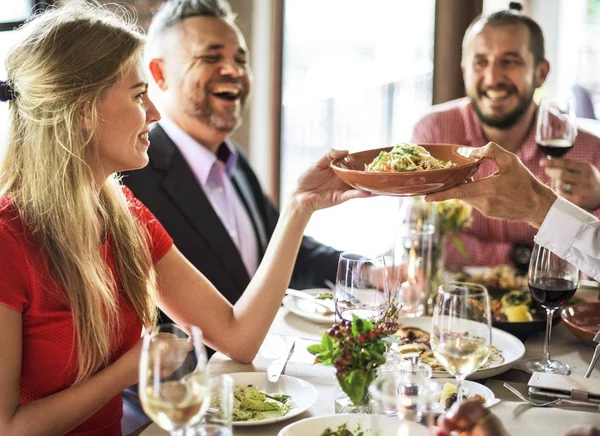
518,313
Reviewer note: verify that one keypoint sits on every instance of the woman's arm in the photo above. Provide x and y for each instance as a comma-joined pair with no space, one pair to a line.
59,413
188,297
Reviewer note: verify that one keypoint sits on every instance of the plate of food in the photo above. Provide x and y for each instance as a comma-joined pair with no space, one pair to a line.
414,336
353,424
407,169
470,389
310,311
257,401
512,306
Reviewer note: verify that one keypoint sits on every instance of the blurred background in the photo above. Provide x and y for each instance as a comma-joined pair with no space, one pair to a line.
356,75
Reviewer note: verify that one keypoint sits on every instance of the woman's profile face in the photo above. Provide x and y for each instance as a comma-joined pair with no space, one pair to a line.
125,114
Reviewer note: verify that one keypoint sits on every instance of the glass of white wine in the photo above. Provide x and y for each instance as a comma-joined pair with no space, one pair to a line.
174,382
461,329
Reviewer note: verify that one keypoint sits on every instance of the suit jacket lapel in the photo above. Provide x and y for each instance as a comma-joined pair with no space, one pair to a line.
181,185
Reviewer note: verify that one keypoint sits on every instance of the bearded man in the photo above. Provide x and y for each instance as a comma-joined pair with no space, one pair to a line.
503,62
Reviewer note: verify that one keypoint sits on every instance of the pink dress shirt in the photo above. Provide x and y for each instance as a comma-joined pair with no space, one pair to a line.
214,176
490,241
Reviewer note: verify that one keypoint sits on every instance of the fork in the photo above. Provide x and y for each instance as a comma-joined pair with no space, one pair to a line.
556,402
595,357
528,400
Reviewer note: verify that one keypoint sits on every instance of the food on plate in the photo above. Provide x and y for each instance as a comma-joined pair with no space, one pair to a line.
406,157
501,276
519,313
416,340
250,403
343,430
324,296
449,395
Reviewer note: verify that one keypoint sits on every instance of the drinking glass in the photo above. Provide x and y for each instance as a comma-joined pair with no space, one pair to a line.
461,329
174,383
411,280
218,420
361,287
556,127
552,282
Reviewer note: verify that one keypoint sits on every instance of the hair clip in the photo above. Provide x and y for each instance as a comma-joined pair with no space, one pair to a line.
515,6
7,92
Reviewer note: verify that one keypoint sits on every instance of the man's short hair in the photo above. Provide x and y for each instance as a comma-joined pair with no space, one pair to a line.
508,17
173,12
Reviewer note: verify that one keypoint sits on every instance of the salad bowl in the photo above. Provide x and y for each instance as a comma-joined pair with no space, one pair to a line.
351,170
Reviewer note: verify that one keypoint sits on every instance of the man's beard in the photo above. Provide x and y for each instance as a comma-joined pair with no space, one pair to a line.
224,120
505,121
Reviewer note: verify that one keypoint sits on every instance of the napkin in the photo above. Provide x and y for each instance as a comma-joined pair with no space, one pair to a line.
565,386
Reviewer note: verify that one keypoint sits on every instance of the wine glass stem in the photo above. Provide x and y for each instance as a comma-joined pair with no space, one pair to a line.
549,313
459,381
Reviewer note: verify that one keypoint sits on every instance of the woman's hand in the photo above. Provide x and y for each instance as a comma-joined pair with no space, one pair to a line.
319,187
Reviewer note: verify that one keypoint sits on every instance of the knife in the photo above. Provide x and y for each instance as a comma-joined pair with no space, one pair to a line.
275,368
327,304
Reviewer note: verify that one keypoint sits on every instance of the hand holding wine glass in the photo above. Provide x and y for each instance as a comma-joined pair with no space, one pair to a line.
174,381
552,281
556,129
461,329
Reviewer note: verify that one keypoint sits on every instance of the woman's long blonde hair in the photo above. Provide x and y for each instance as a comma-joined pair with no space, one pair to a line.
60,69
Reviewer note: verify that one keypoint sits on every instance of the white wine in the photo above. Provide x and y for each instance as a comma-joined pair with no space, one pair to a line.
177,405
461,355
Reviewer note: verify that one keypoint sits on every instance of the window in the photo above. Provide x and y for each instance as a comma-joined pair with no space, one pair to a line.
356,75
14,12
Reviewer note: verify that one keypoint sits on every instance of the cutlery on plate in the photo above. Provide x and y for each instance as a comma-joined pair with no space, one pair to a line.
556,402
595,356
275,368
328,304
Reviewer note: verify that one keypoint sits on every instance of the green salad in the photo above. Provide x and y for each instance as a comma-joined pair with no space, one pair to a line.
250,403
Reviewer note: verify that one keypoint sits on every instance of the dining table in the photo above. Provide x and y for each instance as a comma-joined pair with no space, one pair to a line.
517,417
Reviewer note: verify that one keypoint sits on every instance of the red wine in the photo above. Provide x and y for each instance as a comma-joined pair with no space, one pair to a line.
555,147
552,293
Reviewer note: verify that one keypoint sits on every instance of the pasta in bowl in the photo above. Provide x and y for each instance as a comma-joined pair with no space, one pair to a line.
407,170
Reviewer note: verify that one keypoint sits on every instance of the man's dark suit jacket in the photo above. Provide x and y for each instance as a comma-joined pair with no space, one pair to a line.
170,190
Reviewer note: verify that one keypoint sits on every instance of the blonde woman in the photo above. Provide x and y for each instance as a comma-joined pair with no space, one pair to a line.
83,263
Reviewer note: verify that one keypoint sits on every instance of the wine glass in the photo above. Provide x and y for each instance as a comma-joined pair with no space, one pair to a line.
461,329
552,281
361,287
174,382
556,127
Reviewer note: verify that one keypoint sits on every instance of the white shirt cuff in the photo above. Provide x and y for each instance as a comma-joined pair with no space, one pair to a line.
561,225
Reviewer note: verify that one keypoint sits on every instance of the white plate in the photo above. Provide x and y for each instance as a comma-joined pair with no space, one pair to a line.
512,349
377,424
471,387
302,392
307,310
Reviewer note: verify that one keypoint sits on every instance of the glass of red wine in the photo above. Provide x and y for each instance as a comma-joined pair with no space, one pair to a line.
556,128
552,281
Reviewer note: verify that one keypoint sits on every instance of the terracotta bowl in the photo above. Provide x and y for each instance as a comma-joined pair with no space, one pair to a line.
351,170
583,320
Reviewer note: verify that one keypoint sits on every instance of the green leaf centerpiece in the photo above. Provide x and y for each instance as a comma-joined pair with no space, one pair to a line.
356,349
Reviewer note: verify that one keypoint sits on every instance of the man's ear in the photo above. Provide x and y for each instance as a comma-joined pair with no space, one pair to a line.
157,71
541,73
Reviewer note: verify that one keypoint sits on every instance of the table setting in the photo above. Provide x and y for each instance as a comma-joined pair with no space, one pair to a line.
393,343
